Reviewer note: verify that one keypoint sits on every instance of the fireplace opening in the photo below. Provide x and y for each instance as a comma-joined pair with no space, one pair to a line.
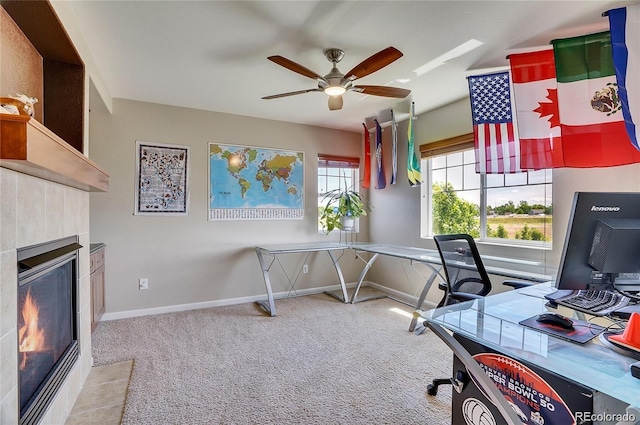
47,322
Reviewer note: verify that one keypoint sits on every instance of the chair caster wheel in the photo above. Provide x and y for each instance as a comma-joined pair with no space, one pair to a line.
432,389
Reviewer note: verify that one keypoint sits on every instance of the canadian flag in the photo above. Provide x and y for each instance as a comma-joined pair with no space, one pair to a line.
536,101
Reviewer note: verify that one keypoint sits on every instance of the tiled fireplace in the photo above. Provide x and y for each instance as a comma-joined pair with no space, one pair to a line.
33,212
47,323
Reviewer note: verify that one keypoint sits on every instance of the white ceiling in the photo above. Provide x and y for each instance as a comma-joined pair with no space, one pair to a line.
212,55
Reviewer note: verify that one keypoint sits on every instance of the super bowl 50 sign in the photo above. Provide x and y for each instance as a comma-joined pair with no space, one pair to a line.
530,396
537,396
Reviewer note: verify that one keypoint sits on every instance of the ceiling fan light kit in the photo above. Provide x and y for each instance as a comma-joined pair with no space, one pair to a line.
335,103
335,84
335,90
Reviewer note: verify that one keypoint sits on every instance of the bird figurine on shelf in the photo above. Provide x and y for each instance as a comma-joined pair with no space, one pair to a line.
18,104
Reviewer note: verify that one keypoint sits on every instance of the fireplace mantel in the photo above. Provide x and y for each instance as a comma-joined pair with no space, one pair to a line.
29,147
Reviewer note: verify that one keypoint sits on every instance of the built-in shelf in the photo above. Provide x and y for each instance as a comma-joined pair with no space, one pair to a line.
39,60
29,147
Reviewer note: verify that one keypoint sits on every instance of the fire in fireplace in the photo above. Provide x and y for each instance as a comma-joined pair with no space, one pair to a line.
47,322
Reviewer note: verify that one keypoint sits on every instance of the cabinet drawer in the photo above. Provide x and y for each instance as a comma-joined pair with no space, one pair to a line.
96,259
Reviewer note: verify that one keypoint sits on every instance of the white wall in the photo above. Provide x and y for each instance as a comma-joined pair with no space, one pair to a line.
396,218
189,259
397,215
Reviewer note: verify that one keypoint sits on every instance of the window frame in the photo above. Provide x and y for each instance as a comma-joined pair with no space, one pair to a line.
326,161
461,144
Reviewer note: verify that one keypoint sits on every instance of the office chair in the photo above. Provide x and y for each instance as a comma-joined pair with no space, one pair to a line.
466,279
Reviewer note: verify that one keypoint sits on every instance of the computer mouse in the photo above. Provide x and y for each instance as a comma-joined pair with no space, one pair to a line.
556,320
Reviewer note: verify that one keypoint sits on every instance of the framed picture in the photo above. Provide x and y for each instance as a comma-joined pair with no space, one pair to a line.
253,183
162,179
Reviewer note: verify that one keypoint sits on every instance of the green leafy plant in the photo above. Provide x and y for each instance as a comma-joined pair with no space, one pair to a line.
341,203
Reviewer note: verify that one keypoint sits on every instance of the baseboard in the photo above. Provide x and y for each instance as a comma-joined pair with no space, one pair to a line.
392,293
216,303
401,296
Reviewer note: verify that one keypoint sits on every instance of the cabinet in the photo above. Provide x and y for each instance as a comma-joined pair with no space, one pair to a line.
96,270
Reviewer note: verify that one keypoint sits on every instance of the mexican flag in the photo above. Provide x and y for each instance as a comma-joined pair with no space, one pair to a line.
535,92
591,120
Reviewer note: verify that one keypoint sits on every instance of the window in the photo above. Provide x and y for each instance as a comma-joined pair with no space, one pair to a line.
336,172
514,207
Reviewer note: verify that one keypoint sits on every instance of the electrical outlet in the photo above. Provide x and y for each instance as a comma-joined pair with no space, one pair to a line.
143,283
305,268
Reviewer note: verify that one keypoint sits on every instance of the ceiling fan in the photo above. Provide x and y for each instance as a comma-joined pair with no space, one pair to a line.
334,84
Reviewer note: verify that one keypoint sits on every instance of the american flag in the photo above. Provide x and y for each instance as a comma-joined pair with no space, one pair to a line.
496,144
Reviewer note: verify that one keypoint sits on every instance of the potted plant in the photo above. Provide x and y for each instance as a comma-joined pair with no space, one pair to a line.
341,209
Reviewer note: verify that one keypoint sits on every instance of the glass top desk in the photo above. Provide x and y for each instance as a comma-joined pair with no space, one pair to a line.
493,322
498,266
267,255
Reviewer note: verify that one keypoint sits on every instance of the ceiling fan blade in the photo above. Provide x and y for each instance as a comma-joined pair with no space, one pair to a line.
335,103
291,93
374,63
295,67
382,91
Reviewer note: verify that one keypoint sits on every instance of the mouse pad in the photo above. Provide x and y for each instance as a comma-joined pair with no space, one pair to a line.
582,331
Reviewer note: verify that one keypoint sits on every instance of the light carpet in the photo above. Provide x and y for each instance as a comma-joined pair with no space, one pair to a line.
319,361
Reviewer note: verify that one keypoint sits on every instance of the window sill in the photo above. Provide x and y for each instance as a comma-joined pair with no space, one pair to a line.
538,246
510,244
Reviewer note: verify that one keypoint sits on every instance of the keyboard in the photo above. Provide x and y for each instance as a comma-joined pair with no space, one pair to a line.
594,302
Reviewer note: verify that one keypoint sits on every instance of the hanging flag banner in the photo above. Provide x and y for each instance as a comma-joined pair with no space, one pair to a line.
624,24
366,181
394,148
497,147
382,179
591,119
413,165
535,93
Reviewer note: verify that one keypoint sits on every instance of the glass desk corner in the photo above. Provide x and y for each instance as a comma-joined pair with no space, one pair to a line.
494,323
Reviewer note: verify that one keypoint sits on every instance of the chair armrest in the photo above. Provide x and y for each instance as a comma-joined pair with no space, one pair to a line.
517,284
463,296
481,378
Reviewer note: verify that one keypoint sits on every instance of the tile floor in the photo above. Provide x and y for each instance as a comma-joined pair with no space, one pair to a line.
101,400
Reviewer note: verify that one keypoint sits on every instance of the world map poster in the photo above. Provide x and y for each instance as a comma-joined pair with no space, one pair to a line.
253,183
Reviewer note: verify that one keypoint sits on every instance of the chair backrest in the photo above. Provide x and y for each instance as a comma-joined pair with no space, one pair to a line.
463,266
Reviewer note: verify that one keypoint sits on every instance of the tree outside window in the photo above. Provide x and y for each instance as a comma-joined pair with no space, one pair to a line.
494,206
335,173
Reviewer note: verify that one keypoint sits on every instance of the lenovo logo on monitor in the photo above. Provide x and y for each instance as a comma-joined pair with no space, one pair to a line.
605,209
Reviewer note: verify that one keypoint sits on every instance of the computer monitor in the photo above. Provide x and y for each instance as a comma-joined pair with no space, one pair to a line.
602,244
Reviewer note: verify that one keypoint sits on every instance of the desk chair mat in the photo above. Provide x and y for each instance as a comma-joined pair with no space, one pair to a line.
581,333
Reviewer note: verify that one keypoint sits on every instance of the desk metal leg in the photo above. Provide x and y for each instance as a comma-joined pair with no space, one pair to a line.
269,305
479,375
361,279
416,314
343,286
435,273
